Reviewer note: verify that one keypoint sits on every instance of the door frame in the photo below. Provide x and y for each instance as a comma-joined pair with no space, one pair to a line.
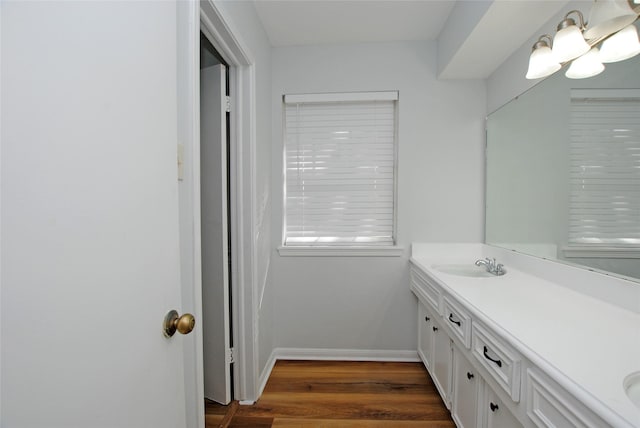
206,16
242,187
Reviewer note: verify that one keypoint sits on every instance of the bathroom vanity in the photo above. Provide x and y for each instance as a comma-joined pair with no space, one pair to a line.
545,345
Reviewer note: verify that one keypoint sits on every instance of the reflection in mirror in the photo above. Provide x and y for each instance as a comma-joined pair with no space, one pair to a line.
563,171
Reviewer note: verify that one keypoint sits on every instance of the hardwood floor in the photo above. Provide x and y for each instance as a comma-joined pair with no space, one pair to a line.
333,394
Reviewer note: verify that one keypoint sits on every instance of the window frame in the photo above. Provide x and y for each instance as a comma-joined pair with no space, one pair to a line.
343,249
574,247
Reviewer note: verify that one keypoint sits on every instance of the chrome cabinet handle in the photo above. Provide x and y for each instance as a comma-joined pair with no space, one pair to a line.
498,362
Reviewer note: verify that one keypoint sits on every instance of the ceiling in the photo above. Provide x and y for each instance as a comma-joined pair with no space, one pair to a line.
305,22
480,34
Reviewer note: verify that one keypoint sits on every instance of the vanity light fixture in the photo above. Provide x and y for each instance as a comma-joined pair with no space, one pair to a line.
610,22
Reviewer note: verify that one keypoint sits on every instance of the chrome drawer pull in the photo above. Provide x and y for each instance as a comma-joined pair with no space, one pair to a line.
498,362
453,321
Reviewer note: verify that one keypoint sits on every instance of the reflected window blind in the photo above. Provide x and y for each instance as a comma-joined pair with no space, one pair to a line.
340,157
604,153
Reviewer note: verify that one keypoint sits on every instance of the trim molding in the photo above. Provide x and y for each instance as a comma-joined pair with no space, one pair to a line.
586,251
337,251
266,372
263,284
346,354
225,38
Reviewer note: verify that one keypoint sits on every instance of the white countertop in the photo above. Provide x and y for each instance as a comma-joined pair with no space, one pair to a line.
587,345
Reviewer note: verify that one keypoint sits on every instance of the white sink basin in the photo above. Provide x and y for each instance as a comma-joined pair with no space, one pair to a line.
632,387
464,270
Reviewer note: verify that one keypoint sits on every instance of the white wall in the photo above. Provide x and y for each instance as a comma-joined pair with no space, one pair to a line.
364,303
248,29
527,169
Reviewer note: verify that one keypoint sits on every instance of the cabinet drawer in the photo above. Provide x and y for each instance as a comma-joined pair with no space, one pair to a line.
458,320
548,405
499,358
425,289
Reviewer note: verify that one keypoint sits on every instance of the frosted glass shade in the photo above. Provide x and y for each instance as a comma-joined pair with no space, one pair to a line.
569,44
588,65
607,17
622,45
542,63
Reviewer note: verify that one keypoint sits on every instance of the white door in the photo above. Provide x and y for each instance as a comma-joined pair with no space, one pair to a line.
90,259
215,248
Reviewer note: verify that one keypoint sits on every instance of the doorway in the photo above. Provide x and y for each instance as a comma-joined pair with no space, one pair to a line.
215,224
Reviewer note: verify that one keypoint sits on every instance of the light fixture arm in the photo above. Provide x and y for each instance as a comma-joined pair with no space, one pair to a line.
566,22
541,42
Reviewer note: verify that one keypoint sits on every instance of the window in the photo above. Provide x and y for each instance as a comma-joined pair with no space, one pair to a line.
604,155
340,169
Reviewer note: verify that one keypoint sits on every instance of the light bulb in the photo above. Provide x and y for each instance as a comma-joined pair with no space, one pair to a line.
568,42
542,63
622,45
588,65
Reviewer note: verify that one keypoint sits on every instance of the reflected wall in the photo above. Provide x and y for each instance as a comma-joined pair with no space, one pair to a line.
527,195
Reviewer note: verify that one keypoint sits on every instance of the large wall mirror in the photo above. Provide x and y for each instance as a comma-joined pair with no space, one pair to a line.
563,171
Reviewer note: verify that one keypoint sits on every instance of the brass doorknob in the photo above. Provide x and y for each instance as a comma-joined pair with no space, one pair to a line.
183,324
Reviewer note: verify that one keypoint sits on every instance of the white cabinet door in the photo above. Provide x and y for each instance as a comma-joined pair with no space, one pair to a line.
493,413
89,220
441,369
425,336
464,391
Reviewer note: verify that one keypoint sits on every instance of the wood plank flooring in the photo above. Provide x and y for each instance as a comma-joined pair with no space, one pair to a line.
332,394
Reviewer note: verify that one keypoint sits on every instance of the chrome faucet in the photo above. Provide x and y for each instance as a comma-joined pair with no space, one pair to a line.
491,266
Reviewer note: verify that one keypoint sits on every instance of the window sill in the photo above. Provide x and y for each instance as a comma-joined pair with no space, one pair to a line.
319,251
600,252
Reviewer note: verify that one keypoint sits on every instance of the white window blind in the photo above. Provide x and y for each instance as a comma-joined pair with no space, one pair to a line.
604,153
340,157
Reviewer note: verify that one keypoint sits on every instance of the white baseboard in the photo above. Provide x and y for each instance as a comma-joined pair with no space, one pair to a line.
345,354
321,354
266,372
